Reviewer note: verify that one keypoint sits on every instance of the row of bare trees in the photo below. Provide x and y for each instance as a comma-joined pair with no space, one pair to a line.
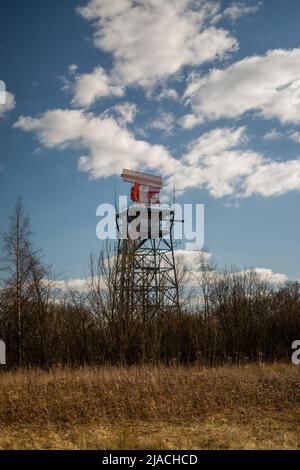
225,316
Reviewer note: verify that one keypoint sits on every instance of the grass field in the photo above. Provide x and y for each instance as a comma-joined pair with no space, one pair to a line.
237,407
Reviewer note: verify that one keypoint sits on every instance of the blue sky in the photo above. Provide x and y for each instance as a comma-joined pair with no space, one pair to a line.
210,88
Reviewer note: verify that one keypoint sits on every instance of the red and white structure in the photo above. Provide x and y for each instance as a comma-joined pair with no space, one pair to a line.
145,188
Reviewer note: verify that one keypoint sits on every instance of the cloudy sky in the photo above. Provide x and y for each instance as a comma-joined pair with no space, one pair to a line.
208,90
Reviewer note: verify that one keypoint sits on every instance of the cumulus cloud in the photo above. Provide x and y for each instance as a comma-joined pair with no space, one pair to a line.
269,275
72,69
10,104
262,274
109,145
193,258
151,40
188,121
167,94
273,134
126,112
218,161
295,136
214,161
191,261
89,87
267,84
197,262
80,285
164,122
274,179
238,9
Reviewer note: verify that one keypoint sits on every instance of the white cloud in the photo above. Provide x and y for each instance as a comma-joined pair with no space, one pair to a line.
269,275
192,258
2,93
220,162
273,134
167,94
90,87
194,261
190,120
80,285
164,122
9,105
153,39
217,161
295,136
239,9
274,179
72,69
262,274
109,146
267,84
214,161
126,113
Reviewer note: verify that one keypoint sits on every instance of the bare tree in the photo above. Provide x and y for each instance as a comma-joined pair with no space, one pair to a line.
16,264
41,286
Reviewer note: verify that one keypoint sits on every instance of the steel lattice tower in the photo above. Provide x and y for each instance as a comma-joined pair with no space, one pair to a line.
146,279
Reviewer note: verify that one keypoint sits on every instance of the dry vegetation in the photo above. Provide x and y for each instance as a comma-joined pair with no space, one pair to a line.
238,319
237,407
226,317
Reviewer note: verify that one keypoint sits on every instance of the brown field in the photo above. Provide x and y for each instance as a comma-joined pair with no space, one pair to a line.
237,407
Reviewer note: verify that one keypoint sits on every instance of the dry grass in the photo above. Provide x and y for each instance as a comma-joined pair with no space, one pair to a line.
244,407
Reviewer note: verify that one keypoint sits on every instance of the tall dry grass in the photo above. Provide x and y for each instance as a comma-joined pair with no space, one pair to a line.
149,398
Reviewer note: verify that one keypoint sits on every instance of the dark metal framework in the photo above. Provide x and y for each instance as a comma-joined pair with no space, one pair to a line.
146,277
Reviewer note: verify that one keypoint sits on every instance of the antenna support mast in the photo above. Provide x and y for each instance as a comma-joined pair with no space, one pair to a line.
146,277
